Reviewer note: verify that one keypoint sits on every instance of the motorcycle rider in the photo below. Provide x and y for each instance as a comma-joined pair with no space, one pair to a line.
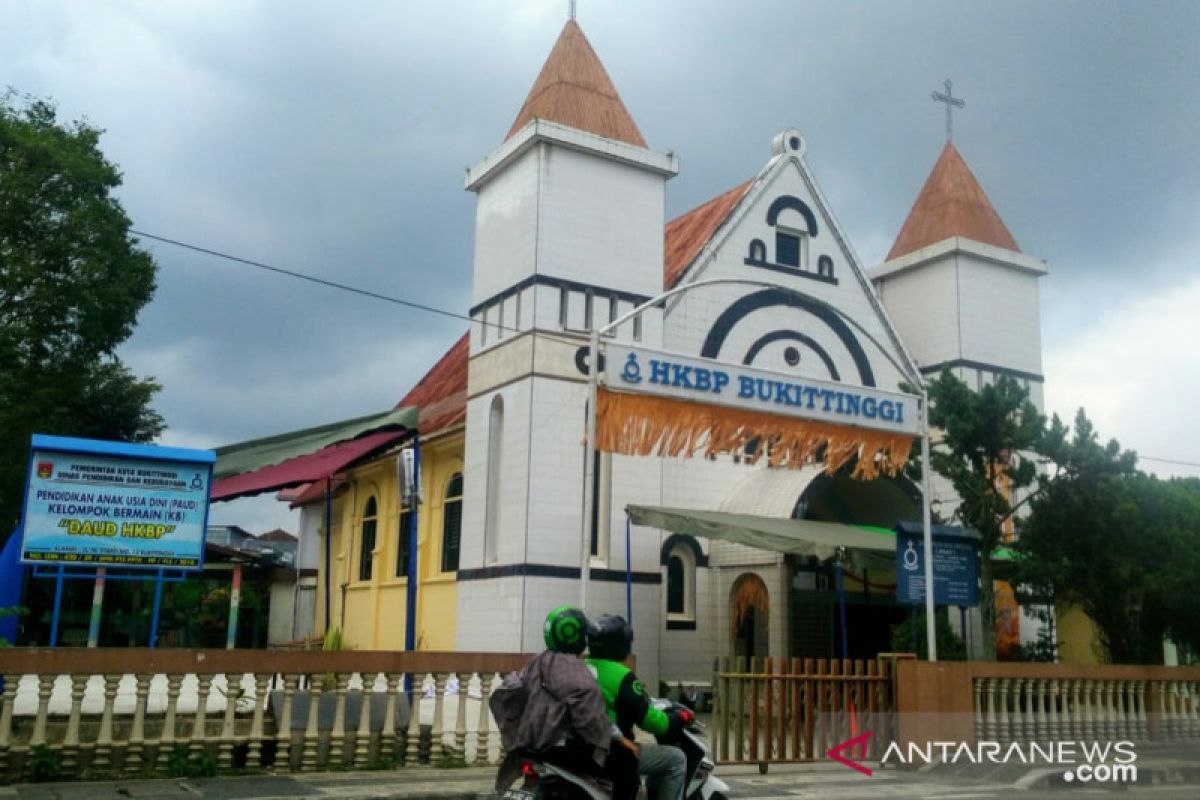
554,707
610,640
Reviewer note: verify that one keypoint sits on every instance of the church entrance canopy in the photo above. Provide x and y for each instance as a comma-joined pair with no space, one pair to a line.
867,547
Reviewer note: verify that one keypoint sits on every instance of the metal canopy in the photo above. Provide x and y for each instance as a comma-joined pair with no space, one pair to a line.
867,547
304,456
255,454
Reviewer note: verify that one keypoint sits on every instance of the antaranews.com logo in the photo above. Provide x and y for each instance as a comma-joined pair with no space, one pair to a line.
1082,761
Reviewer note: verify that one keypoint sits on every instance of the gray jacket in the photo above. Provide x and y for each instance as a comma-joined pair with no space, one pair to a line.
554,697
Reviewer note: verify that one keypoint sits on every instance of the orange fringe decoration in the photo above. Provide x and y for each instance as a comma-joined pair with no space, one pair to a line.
642,425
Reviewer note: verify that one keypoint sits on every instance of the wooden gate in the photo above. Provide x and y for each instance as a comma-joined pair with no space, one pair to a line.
771,711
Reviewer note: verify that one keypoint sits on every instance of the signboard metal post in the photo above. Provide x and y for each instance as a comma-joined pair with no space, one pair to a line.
97,609
58,590
158,587
926,520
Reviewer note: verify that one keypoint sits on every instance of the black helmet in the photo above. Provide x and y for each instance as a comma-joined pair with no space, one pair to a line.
566,630
610,638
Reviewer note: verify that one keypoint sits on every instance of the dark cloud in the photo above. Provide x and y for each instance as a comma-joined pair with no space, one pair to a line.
332,140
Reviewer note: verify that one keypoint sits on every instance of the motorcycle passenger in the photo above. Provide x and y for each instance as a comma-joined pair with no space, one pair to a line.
554,707
610,640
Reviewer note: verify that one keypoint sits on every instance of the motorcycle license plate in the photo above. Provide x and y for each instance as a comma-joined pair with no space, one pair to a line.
518,794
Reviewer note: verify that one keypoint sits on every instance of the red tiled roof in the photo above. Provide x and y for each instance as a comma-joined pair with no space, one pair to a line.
952,203
574,89
277,535
687,234
441,396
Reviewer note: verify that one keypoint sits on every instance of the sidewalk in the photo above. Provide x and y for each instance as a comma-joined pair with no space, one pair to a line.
1163,768
410,784
1157,765
421,783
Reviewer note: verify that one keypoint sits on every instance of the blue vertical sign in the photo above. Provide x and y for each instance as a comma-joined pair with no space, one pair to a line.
955,566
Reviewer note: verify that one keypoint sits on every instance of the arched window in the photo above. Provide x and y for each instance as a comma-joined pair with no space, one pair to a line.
676,578
792,231
601,504
681,557
495,450
402,540
758,252
452,523
366,553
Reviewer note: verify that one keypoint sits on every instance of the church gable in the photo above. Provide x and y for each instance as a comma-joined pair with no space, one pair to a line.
778,230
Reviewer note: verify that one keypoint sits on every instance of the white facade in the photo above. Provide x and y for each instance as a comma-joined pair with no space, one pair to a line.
969,306
569,235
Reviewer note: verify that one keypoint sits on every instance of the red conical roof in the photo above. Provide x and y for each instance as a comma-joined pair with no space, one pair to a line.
952,203
574,89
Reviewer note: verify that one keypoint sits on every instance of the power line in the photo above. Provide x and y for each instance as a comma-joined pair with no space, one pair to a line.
310,278
1169,461
410,303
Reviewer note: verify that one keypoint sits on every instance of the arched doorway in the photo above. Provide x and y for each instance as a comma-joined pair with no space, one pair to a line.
749,609
871,610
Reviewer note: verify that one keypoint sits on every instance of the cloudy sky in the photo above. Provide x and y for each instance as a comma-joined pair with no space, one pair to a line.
331,138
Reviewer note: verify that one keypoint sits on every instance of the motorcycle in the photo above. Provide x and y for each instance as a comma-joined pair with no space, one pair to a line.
700,783
544,780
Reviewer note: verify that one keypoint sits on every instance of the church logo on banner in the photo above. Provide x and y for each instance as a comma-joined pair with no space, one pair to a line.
704,381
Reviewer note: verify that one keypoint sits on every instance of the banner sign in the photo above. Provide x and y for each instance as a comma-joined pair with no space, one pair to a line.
701,380
96,503
955,569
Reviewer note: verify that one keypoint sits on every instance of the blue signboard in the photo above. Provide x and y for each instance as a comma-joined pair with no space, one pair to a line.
955,566
98,503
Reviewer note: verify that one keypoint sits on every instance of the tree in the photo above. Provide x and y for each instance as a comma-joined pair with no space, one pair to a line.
1182,602
72,281
1122,546
950,646
986,451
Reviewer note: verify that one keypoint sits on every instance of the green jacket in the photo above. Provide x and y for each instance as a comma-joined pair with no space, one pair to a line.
626,700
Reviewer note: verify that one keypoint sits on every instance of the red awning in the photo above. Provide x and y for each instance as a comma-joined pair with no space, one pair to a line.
315,466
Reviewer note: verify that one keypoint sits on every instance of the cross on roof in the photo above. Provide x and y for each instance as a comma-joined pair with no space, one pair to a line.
572,9
951,102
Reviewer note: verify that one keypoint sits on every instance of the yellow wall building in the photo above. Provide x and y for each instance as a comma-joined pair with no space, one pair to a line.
368,565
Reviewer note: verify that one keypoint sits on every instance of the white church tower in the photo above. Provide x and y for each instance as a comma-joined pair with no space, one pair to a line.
961,293
568,235
965,298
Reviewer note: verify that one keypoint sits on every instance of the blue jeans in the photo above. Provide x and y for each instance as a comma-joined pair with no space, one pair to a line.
664,768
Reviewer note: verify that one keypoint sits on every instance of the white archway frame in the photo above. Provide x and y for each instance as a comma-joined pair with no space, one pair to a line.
593,384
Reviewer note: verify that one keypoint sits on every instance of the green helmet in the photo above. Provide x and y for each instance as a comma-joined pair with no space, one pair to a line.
565,630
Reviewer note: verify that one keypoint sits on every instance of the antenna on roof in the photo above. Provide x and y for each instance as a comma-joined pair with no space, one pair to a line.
571,10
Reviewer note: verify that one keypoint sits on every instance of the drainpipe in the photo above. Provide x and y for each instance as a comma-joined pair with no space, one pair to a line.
328,549
235,602
589,464
412,488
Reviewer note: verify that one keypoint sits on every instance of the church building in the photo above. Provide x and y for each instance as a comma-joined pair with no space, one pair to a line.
570,236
